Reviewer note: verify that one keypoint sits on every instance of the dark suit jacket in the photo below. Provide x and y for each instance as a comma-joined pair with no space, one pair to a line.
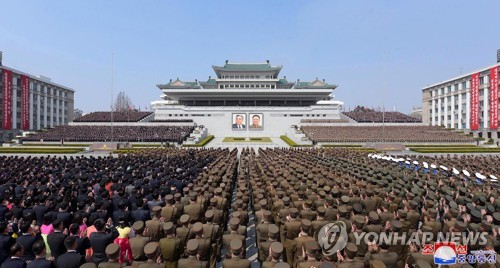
41,263
243,126
140,215
70,260
82,244
56,243
99,242
13,263
6,241
27,241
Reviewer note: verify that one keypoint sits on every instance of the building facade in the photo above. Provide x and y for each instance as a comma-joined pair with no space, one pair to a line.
468,102
247,100
32,102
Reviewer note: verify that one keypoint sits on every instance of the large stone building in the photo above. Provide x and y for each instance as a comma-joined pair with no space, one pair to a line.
468,102
31,102
247,100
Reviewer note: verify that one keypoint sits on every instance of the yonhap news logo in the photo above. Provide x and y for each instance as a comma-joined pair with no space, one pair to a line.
332,237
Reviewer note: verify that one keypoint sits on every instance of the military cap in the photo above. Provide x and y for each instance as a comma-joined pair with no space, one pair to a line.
218,190
236,214
342,209
321,211
396,225
281,264
88,265
377,264
169,197
267,214
486,225
184,219
263,203
426,228
273,229
476,214
209,215
345,199
373,216
236,246
359,222
138,227
276,249
151,249
460,225
294,212
312,247
305,224
351,248
213,201
496,218
421,264
168,226
192,246
357,207
402,213
197,227
156,209
113,251
234,222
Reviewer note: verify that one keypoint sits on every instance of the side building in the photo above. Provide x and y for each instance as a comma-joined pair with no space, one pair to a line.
31,102
247,100
468,102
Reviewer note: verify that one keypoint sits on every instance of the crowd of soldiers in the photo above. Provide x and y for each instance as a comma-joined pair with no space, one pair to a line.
197,208
117,116
374,116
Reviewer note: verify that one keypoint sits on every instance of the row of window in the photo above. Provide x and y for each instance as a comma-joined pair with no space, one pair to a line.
246,86
247,77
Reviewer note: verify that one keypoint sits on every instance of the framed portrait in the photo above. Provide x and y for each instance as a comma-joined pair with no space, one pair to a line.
256,121
239,121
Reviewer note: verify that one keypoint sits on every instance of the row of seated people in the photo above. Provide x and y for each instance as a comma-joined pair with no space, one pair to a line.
121,116
374,117
174,120
116,133
381,133
325,121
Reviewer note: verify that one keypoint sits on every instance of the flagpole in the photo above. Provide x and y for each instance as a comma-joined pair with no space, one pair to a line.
112,87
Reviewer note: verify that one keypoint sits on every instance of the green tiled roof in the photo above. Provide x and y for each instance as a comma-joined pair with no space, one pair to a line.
211,81
303,84
282,81
247,67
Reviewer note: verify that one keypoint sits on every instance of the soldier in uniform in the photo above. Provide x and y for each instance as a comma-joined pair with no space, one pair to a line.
263,228
347,259
171,247
273,235
192,260
290,230
183,232
154,225
234,223
390,259
138,243
236,261
311,249
152,252
303,238
194,209
307,212
113,253
213,232
204,244
169,212
275,252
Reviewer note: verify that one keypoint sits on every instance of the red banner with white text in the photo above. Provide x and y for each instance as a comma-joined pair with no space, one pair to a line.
7,100
494,98
25,102
474,102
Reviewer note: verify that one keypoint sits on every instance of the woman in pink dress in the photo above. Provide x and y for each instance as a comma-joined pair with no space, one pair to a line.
46,229
123,241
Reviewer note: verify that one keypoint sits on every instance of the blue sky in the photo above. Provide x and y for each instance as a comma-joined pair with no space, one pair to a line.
378,52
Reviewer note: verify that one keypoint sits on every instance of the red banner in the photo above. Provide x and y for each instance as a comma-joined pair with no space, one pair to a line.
25,102
7,100
494,98
474,102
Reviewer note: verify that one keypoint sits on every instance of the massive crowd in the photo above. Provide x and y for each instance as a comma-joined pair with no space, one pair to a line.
122,116
383,134
115,133
192,208
369,116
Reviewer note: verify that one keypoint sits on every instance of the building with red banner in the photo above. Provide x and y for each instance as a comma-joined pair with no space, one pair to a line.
29,102
468,102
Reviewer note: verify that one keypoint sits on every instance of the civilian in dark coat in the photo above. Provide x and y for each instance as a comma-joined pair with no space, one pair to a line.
6,241
99,240
27,239
82,244
56,239
40,261
15,261
70,259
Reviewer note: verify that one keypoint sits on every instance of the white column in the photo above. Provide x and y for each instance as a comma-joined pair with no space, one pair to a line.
452,112
38,100
31,112
51,111
460,111
439,112
45,125
57,107
467,110
486,104
446,111
63,94
14,102
433,112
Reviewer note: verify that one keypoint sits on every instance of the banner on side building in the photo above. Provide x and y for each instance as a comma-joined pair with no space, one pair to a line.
7,100
494,98
474,102
25,102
